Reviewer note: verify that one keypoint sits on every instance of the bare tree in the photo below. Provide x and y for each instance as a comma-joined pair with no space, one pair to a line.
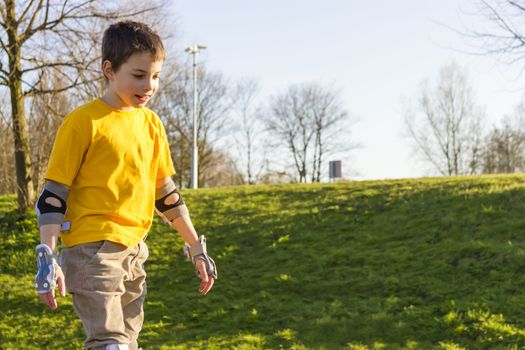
446,124
505,35
327,112
249,130
288,118
221,171
171,103
174,105
39,36
45,116
7,168
303,117
504,149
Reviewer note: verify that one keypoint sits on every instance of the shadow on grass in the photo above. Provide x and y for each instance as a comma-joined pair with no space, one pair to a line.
370,267
408,264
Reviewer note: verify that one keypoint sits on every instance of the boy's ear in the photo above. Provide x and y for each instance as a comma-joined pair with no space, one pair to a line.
107,69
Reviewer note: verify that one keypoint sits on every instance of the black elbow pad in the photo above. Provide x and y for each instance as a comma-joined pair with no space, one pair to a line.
170,211
48,213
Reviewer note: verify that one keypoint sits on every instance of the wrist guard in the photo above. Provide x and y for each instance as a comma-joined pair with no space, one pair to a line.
199,252
45,279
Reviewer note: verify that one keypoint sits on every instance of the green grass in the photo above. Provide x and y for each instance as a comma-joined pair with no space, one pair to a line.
406,264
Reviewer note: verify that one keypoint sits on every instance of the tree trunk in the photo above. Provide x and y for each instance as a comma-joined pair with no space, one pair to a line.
319,156
22,151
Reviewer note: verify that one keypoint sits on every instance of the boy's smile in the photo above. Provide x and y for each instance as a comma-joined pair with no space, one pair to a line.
134,82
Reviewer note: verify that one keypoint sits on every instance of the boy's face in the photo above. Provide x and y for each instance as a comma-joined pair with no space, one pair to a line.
135,81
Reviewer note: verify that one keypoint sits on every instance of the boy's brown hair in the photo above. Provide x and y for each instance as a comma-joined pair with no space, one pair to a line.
125,38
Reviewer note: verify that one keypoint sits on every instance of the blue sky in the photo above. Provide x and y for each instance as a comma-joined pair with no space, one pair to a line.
377,52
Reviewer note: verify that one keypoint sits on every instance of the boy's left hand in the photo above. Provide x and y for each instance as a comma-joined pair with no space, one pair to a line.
206,281
49,276
49,298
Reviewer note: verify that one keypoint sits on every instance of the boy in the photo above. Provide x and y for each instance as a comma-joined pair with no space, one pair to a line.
110,168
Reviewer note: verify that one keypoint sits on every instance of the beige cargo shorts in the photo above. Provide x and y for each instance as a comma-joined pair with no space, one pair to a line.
107,282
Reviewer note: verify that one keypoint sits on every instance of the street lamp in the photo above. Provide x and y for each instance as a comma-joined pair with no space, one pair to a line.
194,51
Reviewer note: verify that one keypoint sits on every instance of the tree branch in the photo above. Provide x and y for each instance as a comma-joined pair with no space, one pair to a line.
3,78
51,65
43,26
26,10
515,4
4,47
34,91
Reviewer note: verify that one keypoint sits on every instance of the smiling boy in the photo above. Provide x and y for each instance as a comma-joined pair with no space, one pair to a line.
109,170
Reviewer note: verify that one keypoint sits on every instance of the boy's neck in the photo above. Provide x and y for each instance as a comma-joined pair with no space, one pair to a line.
114,101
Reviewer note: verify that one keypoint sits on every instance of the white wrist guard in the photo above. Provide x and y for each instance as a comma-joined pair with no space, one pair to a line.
199,252
45,279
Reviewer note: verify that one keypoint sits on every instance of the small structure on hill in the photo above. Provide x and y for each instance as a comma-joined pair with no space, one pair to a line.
334,170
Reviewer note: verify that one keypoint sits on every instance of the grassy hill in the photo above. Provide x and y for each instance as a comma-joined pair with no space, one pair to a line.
407,264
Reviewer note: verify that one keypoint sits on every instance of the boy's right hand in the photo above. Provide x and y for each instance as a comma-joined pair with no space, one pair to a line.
49,276
206,268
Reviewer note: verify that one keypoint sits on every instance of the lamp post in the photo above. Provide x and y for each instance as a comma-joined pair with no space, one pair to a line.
194,51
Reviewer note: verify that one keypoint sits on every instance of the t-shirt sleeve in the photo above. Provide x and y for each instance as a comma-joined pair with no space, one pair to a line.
71,143
165,168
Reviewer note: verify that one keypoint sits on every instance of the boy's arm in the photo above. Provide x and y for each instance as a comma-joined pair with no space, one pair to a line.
49,235
174,207
183,223
51,208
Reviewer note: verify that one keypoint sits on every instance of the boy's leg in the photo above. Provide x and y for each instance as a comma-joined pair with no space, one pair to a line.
95,277
135,293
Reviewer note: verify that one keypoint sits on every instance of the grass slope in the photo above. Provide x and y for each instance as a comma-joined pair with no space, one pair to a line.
406,264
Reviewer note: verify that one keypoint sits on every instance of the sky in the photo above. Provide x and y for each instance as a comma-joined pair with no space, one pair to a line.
376,52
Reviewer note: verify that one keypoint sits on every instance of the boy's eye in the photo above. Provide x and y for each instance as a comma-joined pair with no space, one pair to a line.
138,76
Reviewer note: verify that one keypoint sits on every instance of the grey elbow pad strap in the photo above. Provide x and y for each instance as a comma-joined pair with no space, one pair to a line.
177,212
48,213
170,211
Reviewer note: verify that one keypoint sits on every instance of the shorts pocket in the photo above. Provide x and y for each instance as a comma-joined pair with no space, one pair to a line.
104,272
75,259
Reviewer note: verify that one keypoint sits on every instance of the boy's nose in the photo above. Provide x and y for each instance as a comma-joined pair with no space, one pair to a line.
149,85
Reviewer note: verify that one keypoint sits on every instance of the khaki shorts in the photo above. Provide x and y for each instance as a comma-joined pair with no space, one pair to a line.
107,281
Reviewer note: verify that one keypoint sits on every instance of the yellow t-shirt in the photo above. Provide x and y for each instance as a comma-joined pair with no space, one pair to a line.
110,159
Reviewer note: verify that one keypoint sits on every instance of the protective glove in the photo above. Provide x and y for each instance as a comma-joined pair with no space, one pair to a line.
48,269
199,252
